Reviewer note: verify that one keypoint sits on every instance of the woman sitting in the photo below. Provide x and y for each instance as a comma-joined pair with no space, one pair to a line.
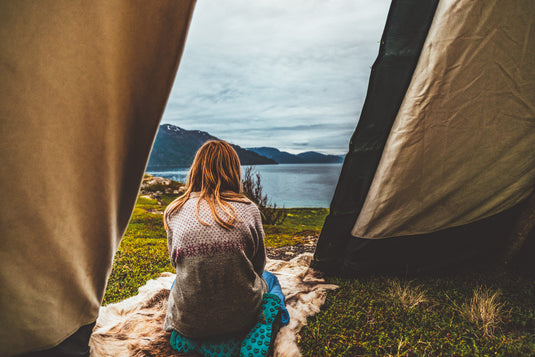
216,245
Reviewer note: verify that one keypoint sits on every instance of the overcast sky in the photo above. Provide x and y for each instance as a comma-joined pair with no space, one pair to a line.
290,74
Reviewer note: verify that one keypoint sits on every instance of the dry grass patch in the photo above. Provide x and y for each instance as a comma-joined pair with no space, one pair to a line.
409,296
400,353
485,310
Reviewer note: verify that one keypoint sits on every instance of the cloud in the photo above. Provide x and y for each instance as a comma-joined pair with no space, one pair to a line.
277,72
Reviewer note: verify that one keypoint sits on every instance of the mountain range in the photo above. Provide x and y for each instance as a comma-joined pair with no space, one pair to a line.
176,147
308,157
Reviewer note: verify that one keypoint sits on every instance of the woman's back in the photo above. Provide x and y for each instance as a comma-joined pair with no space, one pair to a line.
219,287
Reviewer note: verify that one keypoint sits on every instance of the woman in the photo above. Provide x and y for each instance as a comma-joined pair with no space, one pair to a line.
216,245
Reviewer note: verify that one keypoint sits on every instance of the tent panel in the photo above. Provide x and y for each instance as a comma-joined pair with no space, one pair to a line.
405,32
84,85
461,148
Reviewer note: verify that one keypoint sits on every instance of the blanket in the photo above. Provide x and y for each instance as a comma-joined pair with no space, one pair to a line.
133,327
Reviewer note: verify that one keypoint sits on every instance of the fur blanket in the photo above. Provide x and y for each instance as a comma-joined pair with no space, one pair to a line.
133,327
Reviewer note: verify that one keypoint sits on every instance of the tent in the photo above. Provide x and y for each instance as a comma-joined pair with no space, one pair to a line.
84,85
443,150
443,156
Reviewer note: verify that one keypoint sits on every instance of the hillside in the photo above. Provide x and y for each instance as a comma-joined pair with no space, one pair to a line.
176,147
309,157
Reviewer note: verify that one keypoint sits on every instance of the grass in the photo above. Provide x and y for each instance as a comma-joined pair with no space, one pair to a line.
485,310
142,254
406,294
475,313
299,223
372,317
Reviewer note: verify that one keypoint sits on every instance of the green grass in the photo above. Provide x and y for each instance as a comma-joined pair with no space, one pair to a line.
365,316
142,254
361,318
299,222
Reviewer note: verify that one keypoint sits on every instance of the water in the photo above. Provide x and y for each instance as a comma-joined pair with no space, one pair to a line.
288,185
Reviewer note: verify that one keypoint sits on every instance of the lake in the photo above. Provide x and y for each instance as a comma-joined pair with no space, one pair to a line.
288,185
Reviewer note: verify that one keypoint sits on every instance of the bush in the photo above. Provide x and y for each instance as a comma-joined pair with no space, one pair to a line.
252,188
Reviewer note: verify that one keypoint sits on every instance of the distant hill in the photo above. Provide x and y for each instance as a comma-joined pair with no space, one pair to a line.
176,147
282,157
309,157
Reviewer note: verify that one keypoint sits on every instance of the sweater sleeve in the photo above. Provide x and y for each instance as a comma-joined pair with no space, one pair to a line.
259,258
172,254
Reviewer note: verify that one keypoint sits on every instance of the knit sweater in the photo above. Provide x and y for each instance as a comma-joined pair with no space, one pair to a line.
219,286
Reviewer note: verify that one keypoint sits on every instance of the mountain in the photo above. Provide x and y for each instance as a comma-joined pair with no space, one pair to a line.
176,147
313,157
282,157
309,157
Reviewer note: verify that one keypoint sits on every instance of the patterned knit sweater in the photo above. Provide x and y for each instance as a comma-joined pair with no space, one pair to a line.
219,286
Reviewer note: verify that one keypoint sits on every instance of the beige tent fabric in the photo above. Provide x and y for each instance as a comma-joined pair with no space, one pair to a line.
83,87
462,147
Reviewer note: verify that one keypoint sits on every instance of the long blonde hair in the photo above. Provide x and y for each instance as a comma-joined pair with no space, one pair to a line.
216,175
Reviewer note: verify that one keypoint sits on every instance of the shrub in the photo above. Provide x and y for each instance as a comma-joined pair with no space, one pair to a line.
252,188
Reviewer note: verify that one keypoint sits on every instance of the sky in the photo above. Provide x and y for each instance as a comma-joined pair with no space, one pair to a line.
290,74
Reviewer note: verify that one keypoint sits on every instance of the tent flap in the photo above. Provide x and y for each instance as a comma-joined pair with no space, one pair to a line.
461,147
84,85
443,162
405,32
